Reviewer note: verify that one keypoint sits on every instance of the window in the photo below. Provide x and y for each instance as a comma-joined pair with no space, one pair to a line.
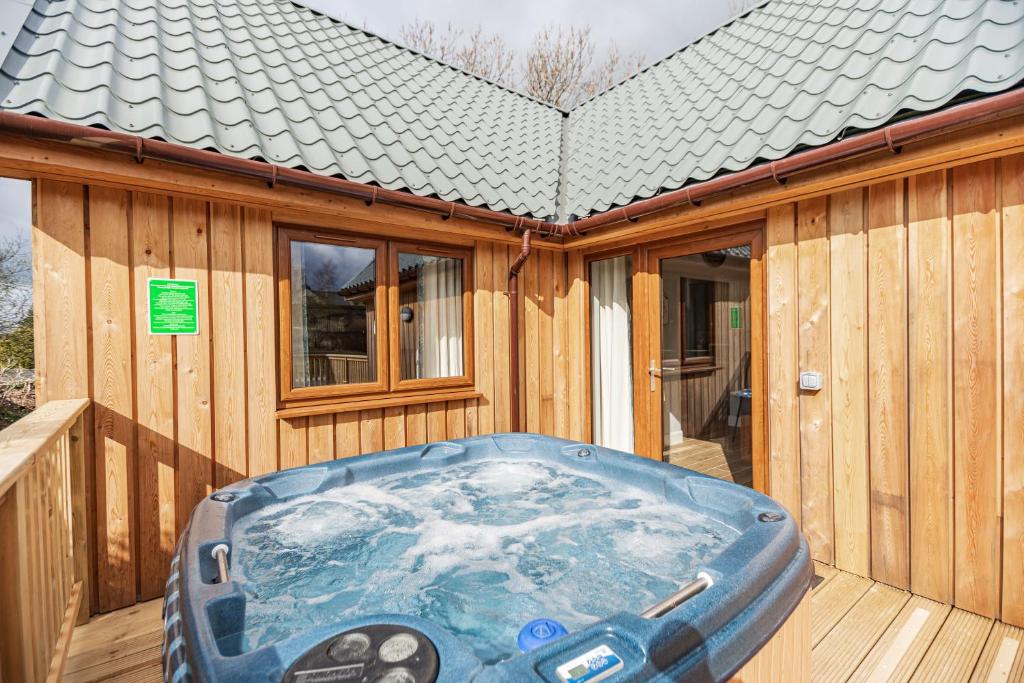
362,316
698,332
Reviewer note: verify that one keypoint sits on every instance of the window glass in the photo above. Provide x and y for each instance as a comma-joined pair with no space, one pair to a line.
333,321
430,324
698,296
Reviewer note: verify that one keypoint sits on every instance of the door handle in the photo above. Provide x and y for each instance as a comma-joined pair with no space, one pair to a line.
654,371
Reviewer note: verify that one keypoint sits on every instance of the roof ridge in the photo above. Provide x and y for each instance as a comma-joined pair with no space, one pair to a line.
402,46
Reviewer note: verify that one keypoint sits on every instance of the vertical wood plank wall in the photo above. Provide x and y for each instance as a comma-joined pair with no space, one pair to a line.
908,296
176,417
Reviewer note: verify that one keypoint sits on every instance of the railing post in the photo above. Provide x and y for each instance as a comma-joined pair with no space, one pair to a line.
79,528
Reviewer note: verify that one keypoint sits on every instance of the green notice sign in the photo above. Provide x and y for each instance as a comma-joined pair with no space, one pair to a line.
734,317
173,306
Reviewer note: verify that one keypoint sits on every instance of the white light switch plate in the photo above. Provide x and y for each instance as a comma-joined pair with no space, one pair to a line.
811,381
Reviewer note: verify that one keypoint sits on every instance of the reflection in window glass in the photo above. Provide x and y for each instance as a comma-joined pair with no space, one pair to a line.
430,326
333,321
698,298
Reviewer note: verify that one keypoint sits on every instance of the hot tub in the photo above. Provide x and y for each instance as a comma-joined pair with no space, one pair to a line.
462,560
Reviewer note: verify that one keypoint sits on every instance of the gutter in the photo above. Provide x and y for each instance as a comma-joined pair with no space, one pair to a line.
145,148
891,137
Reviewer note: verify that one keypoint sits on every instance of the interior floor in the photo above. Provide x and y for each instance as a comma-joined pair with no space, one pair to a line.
723,457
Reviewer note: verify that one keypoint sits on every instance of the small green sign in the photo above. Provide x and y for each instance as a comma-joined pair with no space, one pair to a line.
734,317
173,306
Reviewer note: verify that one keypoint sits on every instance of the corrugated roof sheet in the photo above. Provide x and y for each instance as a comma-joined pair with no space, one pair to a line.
788,74
267,79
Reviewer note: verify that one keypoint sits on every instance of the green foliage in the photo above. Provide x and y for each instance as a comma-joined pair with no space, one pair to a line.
16,348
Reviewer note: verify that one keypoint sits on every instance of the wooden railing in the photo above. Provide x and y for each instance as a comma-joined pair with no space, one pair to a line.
43,567
338,368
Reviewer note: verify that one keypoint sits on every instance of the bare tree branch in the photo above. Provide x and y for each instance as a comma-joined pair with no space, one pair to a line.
616,67
557,63
558,67
486,55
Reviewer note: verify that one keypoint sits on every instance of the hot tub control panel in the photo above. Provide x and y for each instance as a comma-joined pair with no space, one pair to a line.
381,652
591,666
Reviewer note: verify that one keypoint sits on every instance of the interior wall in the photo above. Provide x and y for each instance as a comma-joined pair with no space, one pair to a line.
908,296
175,417
696,400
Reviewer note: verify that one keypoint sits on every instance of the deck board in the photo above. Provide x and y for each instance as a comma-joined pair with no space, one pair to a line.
119,646
1002,660
845,646
899,651
956,650
832,600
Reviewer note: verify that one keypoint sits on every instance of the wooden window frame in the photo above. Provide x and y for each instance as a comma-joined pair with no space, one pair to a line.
285,237
386,301
695,361
394,335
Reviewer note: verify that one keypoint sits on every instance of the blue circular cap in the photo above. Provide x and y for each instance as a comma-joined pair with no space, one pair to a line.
539,632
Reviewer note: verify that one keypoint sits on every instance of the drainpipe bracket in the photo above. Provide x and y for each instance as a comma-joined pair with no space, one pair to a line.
890,143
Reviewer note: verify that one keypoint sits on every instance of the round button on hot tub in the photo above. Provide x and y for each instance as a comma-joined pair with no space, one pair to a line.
397,648
351,647
372,653
396,676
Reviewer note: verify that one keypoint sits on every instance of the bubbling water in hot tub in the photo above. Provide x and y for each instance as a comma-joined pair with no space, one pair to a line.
478,548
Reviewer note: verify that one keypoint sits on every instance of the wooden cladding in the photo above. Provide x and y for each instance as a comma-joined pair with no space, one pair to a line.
909,296
177,417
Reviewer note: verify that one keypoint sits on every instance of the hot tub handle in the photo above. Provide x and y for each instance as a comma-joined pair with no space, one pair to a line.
220,553
698,585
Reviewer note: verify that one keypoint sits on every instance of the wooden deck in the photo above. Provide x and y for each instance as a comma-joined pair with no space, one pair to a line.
860,631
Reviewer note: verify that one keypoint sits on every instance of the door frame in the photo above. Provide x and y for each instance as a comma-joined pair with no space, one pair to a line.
647,408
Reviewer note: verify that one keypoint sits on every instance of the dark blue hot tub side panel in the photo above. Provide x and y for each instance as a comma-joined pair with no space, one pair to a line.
759,579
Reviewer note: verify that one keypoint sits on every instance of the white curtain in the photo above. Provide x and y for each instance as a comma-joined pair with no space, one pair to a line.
440,321
300,328
611,358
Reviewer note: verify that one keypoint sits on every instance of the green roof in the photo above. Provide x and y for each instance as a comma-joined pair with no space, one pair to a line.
271,80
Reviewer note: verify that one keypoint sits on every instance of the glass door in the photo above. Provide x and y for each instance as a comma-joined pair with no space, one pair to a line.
706,357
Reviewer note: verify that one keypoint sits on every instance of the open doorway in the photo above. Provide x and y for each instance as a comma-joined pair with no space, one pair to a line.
705,357
706,363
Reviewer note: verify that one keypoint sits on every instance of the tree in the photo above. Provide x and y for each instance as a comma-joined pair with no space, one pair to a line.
487,56
615,67
17,346
558,68
15,294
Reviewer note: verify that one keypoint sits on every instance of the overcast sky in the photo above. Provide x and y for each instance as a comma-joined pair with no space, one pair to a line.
654,28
